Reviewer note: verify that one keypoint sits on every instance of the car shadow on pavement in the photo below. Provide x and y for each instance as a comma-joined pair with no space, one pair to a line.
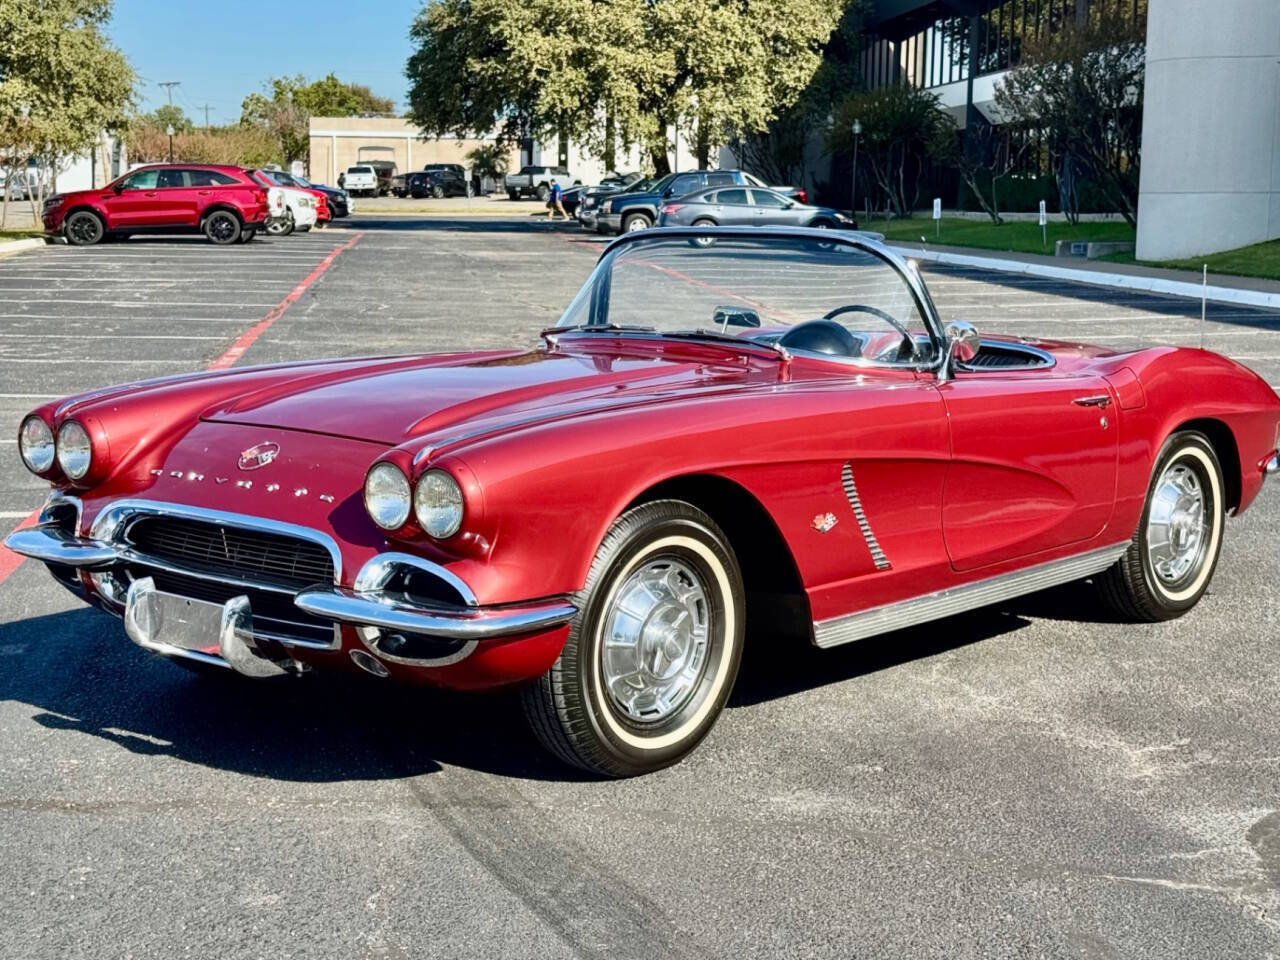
82,674
764,675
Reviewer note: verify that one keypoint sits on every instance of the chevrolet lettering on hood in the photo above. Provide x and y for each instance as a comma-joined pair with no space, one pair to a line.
733,435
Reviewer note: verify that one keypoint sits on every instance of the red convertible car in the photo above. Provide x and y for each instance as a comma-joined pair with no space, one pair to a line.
770,438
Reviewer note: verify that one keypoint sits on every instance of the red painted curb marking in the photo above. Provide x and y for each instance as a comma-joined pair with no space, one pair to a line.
10,561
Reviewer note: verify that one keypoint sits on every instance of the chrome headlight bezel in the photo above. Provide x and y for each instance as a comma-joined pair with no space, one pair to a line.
33,439
438,504
388,498
74,449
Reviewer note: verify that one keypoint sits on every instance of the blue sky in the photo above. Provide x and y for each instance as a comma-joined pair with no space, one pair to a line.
224,50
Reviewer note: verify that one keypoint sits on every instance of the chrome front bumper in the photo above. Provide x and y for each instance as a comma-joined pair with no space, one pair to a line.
382,619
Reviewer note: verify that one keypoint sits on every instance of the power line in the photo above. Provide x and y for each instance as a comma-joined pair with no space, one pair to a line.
206,108
169,85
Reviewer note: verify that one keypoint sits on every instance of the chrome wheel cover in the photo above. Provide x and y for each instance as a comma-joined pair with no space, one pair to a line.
1178,524
656,640
635,224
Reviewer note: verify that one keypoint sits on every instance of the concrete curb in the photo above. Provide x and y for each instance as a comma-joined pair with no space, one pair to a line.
17,246
1123,281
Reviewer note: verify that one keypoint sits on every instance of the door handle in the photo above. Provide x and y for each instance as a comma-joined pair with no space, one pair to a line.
149,194
1101,400
204,193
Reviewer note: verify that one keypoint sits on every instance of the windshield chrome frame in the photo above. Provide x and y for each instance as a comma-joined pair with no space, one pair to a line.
598,284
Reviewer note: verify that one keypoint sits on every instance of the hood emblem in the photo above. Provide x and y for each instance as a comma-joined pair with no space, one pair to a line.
258,456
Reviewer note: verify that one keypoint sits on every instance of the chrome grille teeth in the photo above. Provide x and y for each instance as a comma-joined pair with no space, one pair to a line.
851,492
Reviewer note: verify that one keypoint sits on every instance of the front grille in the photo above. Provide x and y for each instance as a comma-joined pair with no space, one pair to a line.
201,546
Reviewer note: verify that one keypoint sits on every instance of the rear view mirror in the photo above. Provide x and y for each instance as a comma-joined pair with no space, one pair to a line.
735,317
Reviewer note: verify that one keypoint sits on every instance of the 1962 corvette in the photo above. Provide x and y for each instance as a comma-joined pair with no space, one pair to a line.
727,429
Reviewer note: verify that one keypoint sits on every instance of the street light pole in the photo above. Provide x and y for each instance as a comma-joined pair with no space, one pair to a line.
853,186
169,131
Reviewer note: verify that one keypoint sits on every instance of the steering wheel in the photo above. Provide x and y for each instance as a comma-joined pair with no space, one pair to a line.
908,341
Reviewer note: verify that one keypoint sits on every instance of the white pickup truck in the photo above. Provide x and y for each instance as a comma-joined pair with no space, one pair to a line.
536,181
361,179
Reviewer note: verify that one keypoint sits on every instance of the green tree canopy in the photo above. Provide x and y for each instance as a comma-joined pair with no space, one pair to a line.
61,82
168,115
288,105
614,72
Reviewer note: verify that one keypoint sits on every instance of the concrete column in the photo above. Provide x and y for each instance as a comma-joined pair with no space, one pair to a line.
1210,129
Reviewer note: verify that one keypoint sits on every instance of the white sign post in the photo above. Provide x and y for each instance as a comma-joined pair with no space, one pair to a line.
1044,220
937,216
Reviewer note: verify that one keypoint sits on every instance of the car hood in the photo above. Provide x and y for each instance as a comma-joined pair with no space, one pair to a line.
416,397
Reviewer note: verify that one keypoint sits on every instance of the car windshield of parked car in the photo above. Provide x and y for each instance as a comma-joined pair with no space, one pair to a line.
855,303
359,169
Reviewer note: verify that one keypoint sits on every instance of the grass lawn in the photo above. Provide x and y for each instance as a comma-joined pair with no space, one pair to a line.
1019,237
1260,260
14,233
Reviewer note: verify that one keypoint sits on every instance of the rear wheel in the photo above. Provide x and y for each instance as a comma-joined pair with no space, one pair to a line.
282,228
83,229
543,192
513,195
1174,552
654,650
438,192
703,241
222,227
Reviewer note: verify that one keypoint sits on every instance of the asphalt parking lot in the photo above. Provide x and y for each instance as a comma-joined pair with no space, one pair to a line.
1033,780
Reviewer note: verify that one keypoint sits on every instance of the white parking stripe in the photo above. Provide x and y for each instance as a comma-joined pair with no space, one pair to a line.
128,303
29,396
112,336
90,361
14,514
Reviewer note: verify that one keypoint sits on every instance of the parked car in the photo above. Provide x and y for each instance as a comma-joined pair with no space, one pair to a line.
362,181
300,208
385,171
638,209
774,440
224,203
535,181
400,185
320,197
589,209
340,203
455,168
747,207
439,183
571,199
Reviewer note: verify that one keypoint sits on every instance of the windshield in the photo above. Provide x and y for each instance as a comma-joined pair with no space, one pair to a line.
854,303
359,169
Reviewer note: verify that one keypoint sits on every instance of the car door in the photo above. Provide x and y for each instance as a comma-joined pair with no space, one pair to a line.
135,203
770,209
1033,463
177,200
684,184
733,208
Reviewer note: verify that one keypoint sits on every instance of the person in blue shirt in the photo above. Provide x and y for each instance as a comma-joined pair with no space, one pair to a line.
555,201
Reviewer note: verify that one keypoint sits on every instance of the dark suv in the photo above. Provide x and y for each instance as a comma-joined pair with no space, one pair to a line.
222,202
438,183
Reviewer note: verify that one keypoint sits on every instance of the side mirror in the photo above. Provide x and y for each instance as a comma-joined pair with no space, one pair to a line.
118,188
963,344
725,317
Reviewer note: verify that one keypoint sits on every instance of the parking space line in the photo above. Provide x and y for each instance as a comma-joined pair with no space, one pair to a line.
10,561
246,340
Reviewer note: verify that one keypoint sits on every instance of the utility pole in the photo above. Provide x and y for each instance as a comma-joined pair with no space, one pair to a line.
169,85
206,108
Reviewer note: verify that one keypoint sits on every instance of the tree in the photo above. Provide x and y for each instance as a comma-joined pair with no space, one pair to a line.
167,115
989,154
903,128
489,160
61,83
286,113
1083,86
239,144
610,73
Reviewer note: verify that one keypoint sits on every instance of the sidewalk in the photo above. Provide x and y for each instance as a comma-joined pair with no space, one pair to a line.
1221,288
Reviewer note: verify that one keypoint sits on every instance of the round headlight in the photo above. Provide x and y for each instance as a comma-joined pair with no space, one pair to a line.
438,504
75,451
35,443
387,496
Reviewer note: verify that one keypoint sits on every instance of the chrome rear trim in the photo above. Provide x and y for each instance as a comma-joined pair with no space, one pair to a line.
969,596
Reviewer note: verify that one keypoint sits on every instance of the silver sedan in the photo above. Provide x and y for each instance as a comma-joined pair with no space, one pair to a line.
741,206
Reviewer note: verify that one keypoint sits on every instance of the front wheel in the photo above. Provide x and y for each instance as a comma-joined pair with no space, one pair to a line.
1173,554
222,227
654,649
438,192
83,229
636,221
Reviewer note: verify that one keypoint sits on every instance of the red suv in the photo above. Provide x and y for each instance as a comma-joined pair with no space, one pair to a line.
222,202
